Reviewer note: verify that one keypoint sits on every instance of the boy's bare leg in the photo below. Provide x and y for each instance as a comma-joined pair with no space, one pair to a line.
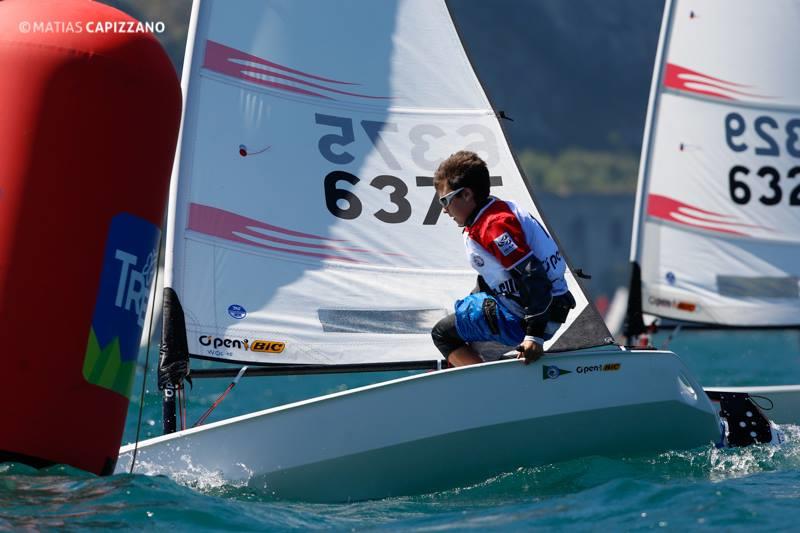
466,355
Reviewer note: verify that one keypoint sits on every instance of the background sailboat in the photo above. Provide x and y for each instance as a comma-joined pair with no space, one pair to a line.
716,239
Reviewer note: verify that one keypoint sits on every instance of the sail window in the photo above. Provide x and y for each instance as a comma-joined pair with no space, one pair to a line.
758,287
395,321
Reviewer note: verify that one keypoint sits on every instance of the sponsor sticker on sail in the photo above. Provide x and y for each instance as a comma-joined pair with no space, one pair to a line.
224,346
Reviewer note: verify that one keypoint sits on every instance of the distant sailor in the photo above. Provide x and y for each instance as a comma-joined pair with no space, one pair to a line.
523,296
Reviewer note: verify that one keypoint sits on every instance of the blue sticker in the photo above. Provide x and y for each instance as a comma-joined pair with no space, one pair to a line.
671,278
237,311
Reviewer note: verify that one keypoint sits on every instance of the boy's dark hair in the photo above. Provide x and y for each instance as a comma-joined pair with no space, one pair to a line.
464,169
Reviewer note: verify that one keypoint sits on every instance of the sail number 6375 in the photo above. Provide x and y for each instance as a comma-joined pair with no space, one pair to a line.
344,203
334,146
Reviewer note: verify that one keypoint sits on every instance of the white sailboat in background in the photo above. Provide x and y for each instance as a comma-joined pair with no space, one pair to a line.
716,236
305,236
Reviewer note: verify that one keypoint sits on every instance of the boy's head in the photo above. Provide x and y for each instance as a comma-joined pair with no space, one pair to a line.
463,169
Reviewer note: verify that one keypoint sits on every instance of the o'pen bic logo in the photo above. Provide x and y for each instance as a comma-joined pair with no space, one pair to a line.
552,372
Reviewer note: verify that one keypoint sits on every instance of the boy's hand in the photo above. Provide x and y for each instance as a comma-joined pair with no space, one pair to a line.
530,351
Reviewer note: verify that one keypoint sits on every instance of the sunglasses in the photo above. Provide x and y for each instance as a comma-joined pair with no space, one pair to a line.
445,200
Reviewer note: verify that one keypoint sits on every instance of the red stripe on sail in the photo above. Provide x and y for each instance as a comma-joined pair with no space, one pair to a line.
282,86
228,61
684,79
205,215
248,70
674,72
226,225
230,226
218,50
666,208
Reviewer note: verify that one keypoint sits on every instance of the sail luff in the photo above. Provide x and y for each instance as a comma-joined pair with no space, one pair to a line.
649,130
173,364
170,248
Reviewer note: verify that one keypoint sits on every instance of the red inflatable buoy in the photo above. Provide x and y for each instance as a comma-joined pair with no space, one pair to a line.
89,116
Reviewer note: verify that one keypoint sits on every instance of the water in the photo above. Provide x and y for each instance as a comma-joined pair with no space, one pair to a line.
739,489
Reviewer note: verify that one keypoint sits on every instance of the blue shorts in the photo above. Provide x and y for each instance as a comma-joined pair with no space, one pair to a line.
480,317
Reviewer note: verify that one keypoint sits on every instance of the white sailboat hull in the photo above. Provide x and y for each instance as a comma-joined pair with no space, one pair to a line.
447,429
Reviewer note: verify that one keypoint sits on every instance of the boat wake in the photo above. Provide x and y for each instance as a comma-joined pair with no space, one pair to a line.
195,476
737,462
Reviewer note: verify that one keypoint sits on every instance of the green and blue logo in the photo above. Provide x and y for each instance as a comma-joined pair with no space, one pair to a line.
129,266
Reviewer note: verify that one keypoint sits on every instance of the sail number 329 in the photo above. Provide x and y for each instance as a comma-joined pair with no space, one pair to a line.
740,180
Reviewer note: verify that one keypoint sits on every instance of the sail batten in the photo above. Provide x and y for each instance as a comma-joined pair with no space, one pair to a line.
718,204
306,229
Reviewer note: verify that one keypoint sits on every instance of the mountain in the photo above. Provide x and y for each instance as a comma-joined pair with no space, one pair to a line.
571,73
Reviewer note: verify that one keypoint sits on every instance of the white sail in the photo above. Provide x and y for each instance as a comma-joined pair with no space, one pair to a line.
303,223
717,227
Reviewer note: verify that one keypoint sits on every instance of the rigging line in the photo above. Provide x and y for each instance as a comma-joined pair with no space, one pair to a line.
182,406
672,335
147,353
221,397
771,403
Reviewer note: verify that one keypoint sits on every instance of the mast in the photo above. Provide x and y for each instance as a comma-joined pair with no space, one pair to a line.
634,321
173,361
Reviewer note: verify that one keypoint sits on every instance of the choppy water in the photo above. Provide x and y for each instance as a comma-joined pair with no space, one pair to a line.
739,489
